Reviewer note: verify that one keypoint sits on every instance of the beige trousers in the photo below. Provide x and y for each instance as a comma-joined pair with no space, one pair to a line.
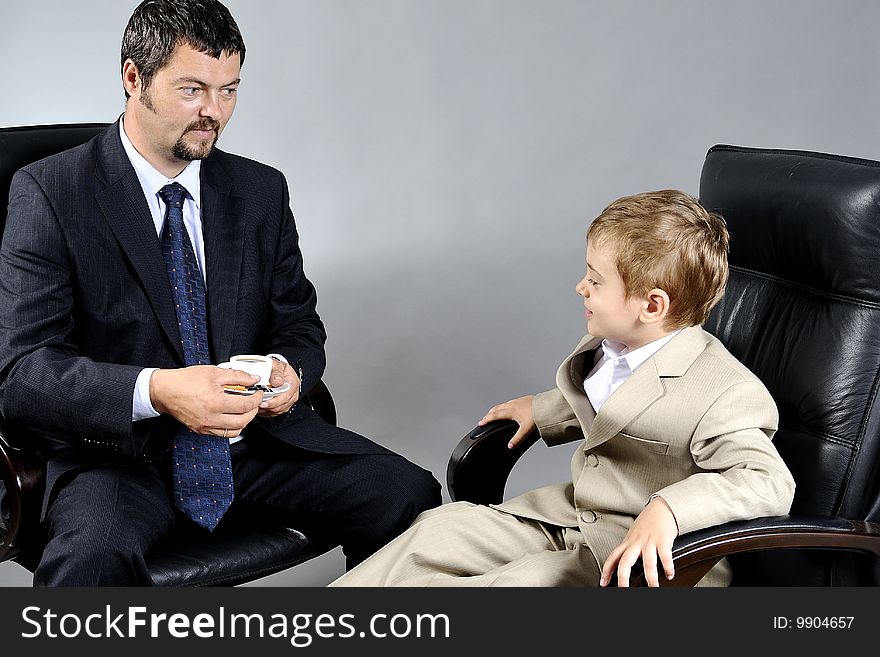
462,544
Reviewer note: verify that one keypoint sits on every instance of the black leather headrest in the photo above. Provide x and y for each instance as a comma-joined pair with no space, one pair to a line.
807,218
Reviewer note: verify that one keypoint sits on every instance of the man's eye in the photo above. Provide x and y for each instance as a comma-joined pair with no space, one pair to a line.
190,91
229,93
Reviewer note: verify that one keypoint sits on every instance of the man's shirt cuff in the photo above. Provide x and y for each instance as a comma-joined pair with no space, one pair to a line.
141,406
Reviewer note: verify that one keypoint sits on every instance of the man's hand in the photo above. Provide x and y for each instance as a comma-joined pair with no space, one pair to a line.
520,411
194,396
652,534
281,373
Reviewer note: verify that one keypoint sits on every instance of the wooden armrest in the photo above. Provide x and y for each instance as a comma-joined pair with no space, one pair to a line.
23,473
481,462
694,554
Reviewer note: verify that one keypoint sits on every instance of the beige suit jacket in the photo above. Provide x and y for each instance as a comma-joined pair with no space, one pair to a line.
691,424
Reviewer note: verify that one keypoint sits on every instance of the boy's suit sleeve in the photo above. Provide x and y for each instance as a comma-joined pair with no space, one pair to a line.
556,421
744,477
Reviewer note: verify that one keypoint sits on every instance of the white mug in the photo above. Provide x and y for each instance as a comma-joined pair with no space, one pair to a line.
257,365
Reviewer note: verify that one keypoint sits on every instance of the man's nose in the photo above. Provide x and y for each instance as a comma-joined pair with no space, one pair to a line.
211,106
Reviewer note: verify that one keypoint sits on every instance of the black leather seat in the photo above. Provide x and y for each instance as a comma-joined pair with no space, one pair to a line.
802,311
236,553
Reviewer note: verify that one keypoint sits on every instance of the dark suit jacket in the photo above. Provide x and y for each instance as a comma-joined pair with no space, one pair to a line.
85,302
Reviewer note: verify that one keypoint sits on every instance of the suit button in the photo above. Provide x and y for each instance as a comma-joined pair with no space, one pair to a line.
589,517
592,460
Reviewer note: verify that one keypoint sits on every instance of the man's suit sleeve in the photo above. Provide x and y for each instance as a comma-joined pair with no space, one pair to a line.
742,475
296,330
44,383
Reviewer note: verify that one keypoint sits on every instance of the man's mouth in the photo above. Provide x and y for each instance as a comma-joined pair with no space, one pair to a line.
204,130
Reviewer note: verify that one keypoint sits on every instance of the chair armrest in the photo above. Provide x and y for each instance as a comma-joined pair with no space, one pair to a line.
694,554
481,462
23,473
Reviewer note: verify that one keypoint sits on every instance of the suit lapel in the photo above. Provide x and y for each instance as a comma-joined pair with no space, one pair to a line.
570,379
125,209
636,394
223,231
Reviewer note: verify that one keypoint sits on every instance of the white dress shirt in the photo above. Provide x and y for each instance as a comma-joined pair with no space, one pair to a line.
151,182
614,365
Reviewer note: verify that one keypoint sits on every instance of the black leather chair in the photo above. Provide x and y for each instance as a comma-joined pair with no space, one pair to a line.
802,311
236,553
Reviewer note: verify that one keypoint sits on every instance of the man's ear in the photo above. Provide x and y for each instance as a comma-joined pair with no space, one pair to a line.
131,77
655,306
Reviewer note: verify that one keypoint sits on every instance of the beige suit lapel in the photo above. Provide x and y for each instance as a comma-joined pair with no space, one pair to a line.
570,379
638,392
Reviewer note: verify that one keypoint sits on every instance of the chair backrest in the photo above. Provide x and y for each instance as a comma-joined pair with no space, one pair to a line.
802,311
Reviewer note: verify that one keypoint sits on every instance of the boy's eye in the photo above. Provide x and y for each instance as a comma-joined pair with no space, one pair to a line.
591,281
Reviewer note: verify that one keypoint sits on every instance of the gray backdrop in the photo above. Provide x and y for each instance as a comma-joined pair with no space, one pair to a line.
445,158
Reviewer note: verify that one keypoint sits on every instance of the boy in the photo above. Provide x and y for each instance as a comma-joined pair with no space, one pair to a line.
676,431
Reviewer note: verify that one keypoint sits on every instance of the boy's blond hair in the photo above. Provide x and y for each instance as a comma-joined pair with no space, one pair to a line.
667,240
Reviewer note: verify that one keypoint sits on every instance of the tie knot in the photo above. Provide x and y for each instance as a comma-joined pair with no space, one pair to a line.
173,194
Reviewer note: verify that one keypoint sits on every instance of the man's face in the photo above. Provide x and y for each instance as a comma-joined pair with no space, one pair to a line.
609,313
180,115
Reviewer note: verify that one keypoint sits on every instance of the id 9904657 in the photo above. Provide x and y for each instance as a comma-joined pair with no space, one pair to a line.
813,622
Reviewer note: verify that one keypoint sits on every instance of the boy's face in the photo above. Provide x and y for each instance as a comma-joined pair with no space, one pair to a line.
609,313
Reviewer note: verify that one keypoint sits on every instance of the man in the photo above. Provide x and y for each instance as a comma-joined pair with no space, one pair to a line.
130,267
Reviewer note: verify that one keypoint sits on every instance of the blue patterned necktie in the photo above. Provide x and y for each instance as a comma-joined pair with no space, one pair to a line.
201,466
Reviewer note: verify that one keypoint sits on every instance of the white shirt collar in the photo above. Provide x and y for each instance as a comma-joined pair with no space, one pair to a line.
612,350
613,367
152,180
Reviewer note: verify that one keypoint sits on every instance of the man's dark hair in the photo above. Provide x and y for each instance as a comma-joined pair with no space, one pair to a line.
158,26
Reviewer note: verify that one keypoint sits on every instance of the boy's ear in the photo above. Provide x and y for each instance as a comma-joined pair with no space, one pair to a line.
655,307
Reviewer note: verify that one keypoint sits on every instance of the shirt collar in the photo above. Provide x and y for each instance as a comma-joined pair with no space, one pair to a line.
152,180
612,349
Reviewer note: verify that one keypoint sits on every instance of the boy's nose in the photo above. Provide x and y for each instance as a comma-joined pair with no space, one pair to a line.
581,288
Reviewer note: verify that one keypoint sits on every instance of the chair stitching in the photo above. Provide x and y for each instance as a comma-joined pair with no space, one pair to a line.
805,288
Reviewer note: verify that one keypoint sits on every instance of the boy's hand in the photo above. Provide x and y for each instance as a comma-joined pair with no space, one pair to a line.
651,535
520,411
